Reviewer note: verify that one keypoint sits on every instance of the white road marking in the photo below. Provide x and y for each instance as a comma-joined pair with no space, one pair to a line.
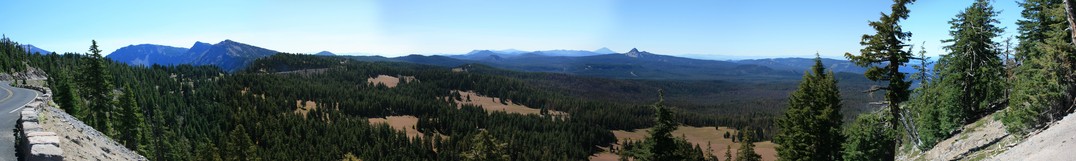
24,105
9,93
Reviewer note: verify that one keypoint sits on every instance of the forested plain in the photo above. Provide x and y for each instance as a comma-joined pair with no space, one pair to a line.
203,113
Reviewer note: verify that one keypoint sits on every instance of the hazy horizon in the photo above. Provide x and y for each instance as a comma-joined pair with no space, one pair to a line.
700,29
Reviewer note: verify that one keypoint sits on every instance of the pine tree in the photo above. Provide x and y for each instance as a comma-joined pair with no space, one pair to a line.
99,81
747,149
131,120
240,147
869,138
68,96
1040,86
207,151
974,60
661,145
811,126
728,152
485,147
883,54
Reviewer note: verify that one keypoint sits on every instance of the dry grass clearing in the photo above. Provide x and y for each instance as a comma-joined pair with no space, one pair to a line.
491,104
404,123
304,107
389,81
696,135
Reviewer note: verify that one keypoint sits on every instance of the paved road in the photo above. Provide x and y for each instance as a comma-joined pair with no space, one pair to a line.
11,99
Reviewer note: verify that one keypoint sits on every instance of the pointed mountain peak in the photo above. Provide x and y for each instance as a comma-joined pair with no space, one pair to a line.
325,53
481,52
635,53
604,50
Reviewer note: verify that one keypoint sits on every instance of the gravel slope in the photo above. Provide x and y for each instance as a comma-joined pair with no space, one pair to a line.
1058,142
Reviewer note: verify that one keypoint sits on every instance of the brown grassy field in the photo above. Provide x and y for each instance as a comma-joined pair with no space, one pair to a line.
491,104
404,123
696,135
389,81
304,107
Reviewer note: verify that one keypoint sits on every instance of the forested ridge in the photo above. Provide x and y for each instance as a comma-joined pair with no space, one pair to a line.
203,113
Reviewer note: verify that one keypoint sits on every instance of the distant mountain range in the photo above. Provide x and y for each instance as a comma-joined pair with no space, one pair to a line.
228,55
634,64
33,49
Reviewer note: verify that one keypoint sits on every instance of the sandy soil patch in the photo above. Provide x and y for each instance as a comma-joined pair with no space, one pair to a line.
404,123
492,104
696,135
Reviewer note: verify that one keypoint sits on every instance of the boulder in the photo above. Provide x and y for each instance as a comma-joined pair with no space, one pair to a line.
45,152
30,126
44,140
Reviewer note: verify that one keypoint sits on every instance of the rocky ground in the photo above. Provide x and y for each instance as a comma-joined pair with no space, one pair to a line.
986,139
81,142
1054,143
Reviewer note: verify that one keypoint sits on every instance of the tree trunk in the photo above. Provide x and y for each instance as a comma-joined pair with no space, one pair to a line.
1069,16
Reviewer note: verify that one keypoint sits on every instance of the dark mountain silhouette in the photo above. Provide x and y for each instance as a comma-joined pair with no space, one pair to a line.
325,53
228,55
33,49
634,64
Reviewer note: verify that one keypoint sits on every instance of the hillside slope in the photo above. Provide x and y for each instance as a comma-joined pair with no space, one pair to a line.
1054,143
986,139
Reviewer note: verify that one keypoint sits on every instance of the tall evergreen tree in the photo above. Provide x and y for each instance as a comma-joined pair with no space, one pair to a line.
883,54
99,81
239,146
67,95
131,121
747,148
974,60
811,126
661,144
869,139
970,78
485,147
1040,84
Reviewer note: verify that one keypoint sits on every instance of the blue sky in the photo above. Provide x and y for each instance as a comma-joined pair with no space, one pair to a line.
719,29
